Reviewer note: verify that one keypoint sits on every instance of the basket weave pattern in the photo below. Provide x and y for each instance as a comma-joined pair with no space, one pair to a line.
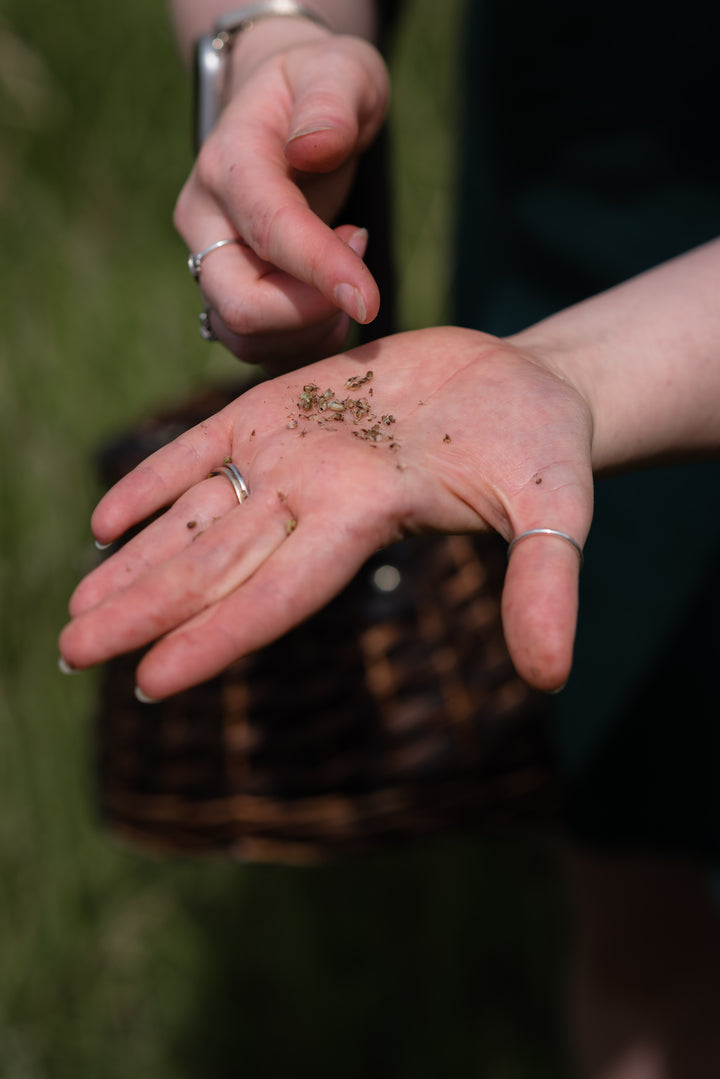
387,715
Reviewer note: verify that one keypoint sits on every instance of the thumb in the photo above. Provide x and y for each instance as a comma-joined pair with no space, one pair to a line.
338,109
323,135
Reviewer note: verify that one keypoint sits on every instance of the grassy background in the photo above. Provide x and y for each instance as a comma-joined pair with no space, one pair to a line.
437,961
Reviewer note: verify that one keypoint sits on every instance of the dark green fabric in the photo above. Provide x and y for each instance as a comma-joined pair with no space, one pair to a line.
589,153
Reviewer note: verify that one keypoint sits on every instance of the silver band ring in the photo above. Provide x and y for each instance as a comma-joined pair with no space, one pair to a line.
548,532
195,261
233,474
206,331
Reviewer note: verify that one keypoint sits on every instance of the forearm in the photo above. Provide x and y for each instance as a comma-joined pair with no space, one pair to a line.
192,18
646,356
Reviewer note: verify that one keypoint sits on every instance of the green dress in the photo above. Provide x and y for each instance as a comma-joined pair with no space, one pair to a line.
589,154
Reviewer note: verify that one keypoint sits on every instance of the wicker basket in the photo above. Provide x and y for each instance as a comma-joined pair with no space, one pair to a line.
394,712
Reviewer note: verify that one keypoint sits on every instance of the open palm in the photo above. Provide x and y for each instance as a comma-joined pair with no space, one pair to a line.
452,431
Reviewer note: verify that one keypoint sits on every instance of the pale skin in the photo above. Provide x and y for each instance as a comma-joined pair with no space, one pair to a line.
304,103
625,378
237,579
506,438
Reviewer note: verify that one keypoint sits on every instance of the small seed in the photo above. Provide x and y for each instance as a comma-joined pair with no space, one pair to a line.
290,526
358,380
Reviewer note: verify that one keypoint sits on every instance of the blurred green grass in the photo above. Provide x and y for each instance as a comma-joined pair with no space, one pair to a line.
112,964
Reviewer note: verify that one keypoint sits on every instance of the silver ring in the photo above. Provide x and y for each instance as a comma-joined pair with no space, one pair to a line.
195,261
233,474
548,532
206,331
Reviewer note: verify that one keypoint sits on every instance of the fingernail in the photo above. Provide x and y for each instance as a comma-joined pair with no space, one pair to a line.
554,692
102,546
349,299
65,666
359,241
143,697
311,129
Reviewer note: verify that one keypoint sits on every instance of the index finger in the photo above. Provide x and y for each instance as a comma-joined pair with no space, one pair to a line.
273,217
280,164
267,605
159,480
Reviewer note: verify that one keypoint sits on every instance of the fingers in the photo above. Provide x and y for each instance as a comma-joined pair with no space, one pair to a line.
257,201
186,581
278,166
280,353
162,478
258,311
234,588
176,529
283,230
539,610
299,579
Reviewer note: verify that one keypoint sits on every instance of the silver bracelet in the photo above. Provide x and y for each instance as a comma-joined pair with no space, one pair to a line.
212,52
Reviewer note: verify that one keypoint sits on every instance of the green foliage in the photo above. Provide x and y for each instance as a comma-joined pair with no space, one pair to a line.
424,62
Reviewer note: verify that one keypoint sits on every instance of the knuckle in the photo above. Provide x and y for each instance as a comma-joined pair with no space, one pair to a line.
210,163
364,64
235,317
274,227
182,210
269,227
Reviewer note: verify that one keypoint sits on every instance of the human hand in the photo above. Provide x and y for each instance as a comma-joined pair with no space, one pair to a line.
463,433
275,171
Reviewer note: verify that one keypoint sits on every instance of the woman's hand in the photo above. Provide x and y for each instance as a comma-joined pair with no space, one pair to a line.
455,431
275,172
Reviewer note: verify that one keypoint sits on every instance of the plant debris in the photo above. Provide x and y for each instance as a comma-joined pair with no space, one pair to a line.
356,381
328,408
